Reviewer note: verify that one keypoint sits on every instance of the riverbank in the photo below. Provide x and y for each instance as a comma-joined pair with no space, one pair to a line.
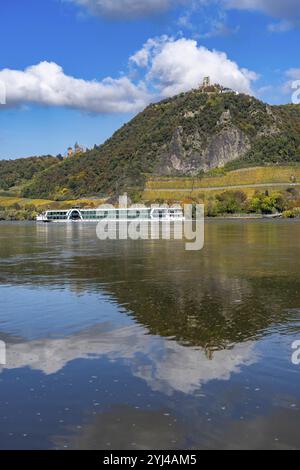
31,217
229,205
14,208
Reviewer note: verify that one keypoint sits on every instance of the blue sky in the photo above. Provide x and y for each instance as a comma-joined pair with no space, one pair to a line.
75,70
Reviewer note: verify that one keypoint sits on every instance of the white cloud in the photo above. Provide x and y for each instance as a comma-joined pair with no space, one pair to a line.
285,89
294,74
127,8
292,85
283,9
174,66
167,67
277,8
47,84
281,27
286,10
164,365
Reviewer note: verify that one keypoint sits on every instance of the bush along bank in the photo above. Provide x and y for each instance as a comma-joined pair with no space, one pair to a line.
237,203
226,203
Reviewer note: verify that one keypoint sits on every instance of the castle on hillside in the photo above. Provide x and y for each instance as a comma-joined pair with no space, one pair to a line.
78,149
207,87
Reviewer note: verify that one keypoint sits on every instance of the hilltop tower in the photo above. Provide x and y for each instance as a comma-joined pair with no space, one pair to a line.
75,151
206,82
77,148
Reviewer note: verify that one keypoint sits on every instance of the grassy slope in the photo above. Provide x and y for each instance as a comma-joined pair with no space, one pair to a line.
165,188
9,202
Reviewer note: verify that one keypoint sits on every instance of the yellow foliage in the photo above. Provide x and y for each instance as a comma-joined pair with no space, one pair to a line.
246,176
8,202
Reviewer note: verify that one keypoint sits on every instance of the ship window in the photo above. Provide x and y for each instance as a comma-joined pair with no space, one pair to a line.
75,215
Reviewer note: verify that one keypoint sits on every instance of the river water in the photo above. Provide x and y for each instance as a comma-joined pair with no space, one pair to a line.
144,345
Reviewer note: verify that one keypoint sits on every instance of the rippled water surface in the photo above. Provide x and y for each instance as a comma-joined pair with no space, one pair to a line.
143,345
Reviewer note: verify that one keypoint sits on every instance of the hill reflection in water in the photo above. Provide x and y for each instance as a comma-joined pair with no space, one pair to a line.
205,336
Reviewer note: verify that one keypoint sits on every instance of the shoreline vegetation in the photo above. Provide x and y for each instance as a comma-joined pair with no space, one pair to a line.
245,193
13,208
226,204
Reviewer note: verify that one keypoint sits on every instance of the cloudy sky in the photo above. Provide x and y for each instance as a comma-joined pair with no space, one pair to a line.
78,69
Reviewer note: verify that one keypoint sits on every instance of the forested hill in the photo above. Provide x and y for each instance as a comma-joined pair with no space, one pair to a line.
22,170
187,135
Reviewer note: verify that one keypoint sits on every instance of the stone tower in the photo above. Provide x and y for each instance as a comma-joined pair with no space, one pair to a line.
206,82
78,149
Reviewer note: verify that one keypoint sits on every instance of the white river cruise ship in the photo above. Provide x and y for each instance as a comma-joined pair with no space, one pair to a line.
126,214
